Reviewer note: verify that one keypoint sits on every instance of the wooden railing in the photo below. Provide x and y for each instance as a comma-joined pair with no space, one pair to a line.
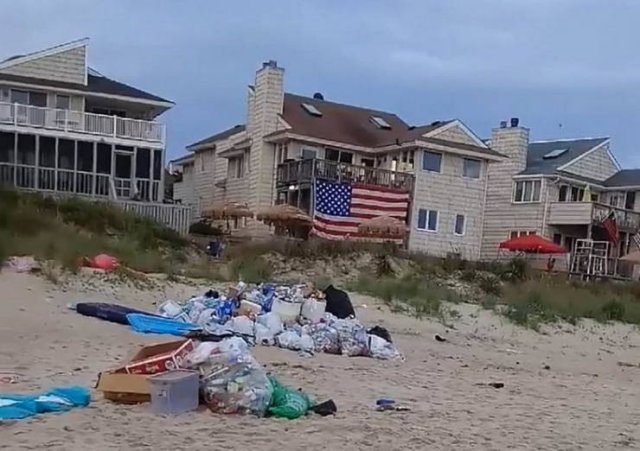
625,219
301,171
81,122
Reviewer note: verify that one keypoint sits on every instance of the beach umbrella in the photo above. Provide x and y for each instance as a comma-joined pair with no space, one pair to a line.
283,214
383,226
229,210
532,244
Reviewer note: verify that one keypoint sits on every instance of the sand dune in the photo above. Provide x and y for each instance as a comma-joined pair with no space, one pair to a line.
584,400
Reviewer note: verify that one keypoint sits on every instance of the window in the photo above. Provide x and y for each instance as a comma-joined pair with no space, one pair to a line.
577,194
471,168
32,98
518,233
459,225
554,154
235,170
557,238
63,102
614,200
431,161
341,156
312,110
308,154
367,162
427,220
380,123
527,191
562,193
21,97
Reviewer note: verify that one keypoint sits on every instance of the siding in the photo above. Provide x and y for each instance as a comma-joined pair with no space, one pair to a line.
501,216
68,66
450,194
456,134
598,165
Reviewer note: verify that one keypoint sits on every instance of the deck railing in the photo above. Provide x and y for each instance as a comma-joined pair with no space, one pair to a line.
305,171
81,122
583,213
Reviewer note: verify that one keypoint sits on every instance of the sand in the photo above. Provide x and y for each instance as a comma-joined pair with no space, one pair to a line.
564,389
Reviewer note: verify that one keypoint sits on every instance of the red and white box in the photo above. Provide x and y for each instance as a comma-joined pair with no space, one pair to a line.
160,358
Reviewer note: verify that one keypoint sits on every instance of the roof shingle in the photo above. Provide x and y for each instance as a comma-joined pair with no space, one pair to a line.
218,136
537,164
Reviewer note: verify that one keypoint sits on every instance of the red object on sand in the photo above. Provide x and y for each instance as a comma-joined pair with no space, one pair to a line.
532,244
103,261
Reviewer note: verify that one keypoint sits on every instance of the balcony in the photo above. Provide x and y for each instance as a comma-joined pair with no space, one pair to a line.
305,171
584,213
17,115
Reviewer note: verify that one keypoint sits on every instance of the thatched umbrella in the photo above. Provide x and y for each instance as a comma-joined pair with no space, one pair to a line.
230,210
284,214
383,226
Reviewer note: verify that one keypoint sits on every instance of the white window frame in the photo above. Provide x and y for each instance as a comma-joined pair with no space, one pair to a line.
426,224
464,224
424,152
236,168
475,160
524,185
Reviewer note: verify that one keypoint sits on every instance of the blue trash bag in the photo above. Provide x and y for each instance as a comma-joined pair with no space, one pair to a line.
147,324
268,293
17,407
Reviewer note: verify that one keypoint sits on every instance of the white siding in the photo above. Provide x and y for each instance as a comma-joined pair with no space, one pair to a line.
450,194
456,134
68,66
598,165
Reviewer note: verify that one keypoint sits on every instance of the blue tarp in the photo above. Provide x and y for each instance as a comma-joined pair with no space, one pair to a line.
16,407
148,324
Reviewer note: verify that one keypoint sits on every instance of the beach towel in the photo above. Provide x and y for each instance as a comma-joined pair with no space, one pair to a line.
17,407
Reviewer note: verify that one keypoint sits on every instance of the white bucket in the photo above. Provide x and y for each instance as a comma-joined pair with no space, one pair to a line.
313,310
287,311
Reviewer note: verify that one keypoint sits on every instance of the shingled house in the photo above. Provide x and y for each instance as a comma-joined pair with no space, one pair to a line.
289,141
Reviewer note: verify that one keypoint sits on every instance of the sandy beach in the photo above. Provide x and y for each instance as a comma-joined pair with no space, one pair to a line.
567,388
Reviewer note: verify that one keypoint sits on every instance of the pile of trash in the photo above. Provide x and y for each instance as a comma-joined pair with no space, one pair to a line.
224,376
295,317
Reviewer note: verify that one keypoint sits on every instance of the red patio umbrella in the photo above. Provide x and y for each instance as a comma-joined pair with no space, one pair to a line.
532,244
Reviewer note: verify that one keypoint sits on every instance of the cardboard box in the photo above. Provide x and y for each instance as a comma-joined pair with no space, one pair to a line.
127,387
160,358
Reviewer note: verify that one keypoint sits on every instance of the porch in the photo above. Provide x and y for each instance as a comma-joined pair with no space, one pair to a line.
85,168
592,213
305,171
19,117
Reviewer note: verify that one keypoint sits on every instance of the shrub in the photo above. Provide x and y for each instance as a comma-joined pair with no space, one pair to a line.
251,270
204,228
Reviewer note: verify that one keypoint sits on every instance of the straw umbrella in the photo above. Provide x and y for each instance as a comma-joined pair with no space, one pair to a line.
227,211
383,226
285,218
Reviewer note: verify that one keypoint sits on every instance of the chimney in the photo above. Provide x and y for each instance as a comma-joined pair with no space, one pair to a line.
512,142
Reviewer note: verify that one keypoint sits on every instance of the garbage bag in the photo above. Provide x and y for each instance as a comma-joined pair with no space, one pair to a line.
380,348
287,402
291,339
353,337
338,303
325,338
272,321
231,381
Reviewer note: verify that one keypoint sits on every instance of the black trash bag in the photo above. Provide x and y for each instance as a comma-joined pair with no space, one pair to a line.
109,312
338,303
380,332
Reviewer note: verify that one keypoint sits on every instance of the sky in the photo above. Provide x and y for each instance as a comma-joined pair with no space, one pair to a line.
566,68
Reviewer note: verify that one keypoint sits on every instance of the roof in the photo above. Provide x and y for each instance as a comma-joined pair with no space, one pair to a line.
95,83
183,160
341,123
537,164
624,177
219,136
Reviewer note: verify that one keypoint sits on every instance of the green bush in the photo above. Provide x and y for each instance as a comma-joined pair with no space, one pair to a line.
251,270
204,228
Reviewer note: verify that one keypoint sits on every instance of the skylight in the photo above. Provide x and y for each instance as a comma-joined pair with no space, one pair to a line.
554,153
312,110
380,123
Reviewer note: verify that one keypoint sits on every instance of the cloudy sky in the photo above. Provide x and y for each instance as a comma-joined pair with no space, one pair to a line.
567,68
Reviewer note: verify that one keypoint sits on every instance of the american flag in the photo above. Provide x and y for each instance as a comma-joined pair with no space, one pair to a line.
341,207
